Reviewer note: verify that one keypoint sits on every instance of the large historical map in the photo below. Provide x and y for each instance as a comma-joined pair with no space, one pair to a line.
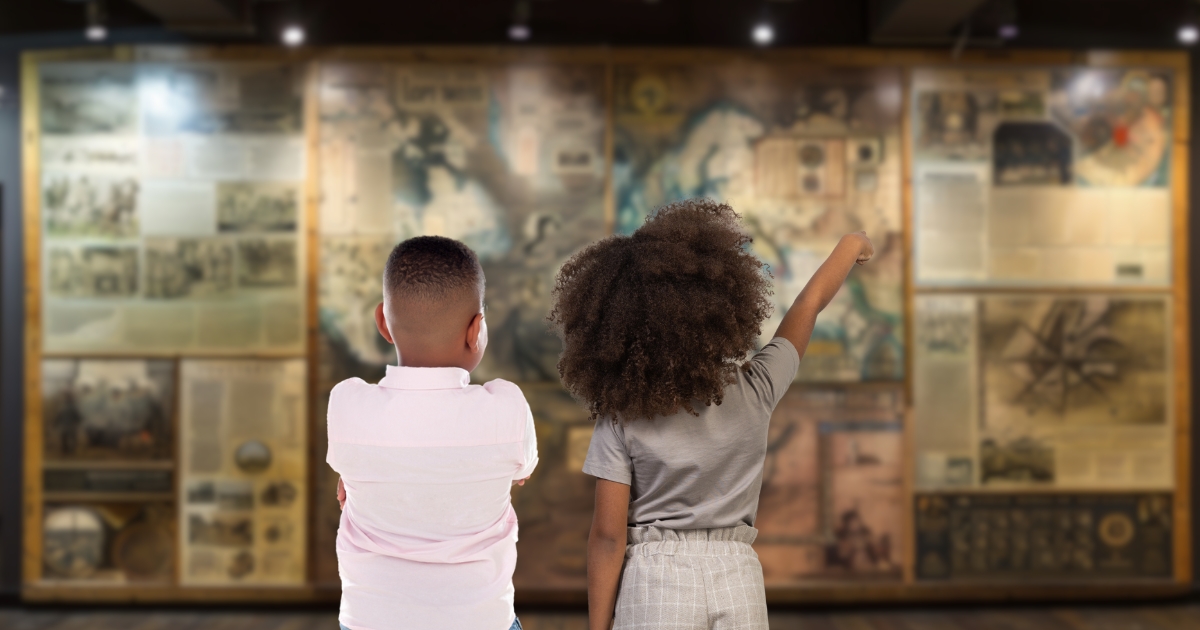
507,159
805,156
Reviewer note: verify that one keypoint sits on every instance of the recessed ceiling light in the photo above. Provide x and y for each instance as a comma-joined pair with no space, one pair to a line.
1188,34
763,34
96,19
519,32
292,35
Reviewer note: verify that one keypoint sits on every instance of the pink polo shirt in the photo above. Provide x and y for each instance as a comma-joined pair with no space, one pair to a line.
428,538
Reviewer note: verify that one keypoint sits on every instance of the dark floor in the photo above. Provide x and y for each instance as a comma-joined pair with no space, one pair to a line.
1144,617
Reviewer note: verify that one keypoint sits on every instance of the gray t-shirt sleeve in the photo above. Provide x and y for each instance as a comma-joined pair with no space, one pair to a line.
607,457
772,371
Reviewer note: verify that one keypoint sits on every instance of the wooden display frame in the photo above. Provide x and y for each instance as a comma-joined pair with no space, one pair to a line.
908,589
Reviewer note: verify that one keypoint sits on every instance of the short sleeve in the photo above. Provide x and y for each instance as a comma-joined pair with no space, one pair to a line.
772,371
607,457
529,452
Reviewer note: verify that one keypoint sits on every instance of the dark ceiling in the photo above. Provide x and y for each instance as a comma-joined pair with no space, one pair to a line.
724,23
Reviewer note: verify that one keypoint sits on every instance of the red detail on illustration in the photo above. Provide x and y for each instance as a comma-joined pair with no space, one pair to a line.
1120,135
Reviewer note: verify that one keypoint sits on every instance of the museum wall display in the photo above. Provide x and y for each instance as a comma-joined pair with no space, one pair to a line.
997,405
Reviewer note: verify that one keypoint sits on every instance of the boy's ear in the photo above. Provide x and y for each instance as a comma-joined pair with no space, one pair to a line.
477,334
381,324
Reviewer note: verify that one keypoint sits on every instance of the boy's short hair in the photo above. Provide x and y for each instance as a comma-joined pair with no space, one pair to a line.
432,269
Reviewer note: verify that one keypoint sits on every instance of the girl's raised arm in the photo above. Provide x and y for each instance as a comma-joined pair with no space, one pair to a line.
797,325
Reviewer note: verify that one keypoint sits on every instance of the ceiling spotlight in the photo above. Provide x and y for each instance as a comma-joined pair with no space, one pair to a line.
1009,31
1188,34
292,35
519,32
95,30
763,34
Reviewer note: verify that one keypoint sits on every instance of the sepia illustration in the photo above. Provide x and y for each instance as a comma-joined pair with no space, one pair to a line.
832,493
188,267
216,99
108,409
267,263
954,124
92,271
257,207
81,205
805,155
1092,360
1023,460
863,476
89,98
109,543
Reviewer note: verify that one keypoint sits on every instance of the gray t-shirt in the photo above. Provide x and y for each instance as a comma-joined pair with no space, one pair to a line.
698,472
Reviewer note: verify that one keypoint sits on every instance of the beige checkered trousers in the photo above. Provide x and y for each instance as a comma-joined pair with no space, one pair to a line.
691,579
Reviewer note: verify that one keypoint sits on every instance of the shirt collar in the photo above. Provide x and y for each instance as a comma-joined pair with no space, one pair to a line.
425,378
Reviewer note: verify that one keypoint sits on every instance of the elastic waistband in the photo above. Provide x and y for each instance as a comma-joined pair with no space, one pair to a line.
720,541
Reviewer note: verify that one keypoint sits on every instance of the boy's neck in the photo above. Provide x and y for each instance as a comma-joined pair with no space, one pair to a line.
416,359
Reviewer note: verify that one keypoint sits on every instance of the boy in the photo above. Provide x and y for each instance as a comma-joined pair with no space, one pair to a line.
428,536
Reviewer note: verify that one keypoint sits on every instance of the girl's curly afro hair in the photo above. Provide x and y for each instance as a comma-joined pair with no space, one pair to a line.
655,321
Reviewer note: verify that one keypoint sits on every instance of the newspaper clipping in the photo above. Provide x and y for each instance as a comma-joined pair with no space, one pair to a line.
243,471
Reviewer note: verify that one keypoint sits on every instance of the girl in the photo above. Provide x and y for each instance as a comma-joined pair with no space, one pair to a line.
655,327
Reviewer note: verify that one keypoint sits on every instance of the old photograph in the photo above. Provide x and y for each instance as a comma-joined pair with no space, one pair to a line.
1024,460
220,530
257,207
86,205
108,409
215,99
267,263
954,124
109,543
88,98
91,271
188,267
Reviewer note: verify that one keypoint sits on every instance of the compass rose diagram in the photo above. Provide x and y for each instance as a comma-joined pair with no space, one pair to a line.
1071,355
